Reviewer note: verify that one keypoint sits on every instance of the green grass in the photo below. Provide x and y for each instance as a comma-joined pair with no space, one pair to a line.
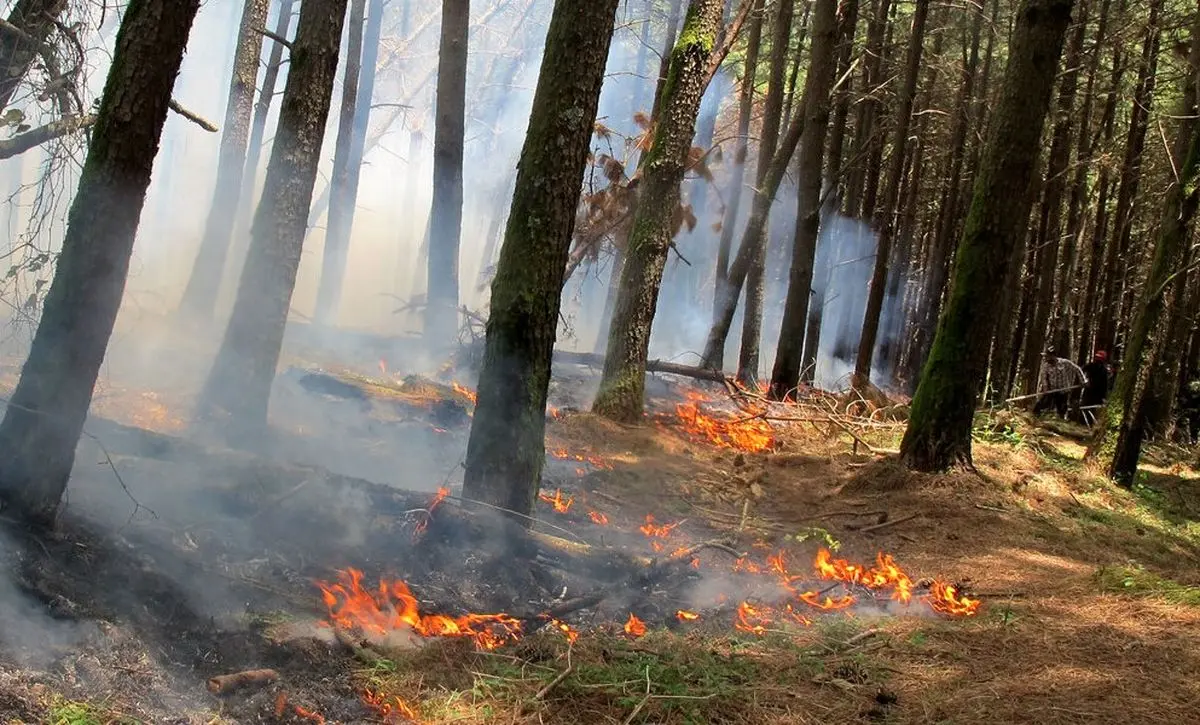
1136,581
69,712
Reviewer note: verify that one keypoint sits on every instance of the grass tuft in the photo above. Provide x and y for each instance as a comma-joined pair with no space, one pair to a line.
1135,580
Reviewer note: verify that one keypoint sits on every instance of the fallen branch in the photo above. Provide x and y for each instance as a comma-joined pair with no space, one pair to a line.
652,366
33,138
226,684
885,524
195,118
554,683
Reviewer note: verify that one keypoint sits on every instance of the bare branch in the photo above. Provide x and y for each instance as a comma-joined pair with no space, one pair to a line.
200,121
22,142
274,36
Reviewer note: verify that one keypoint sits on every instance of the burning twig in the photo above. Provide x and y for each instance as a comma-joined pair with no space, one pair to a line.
226,684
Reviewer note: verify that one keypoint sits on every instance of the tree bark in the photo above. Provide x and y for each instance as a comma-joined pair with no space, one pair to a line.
868,109
738,173
358,84
36,19
506,449
939,428
239,385
622,385
204,283
45,417
445,216
1117,443
891,196
818,85
772,119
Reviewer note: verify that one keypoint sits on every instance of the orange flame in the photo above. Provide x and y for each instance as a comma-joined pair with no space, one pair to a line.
598,518
309,714
571,633
656,531
945,598
744,434
393,607
441,495
465,392
560,504
390,709
685,616
751,619
635,627
885,574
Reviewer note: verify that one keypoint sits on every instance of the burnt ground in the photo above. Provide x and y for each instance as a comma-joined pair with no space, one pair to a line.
170,569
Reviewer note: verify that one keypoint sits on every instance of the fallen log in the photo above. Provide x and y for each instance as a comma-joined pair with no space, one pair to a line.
227,684
652,366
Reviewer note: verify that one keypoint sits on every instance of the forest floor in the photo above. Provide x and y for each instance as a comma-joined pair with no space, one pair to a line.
1090,594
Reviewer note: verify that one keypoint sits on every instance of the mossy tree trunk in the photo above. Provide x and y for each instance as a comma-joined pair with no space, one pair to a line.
1117,443
445,216
939,428
818,85
358,82
45,416
623,383
36,20
200,295
506,449
239,385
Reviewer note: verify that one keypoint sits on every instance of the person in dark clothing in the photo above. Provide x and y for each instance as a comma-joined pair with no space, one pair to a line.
1095,388
1057,379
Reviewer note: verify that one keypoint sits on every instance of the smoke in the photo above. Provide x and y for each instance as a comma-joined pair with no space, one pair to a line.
30,636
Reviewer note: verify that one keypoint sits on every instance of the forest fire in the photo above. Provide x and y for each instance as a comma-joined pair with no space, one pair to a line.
751,434
560,503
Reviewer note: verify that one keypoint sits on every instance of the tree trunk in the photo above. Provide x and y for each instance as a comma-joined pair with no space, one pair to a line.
668,43
818,85
1049,231
891,196
204,283
738,173
45,416
36,20
623,382
239,384
949,212
868,108
1118,441
756,226
506,449
1116,256
835,188
357,89
445,216
939,427
643,60
772,119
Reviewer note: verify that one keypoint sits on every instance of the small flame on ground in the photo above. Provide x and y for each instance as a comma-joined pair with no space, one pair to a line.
598,518
750,434
656,531
684,615
571,633
441,495
390,709
393,607
560,504
635,627
945,598
309,714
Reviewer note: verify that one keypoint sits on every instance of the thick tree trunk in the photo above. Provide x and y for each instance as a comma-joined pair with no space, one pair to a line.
239,384
358,84
738,173
200,295
506,450
45,416
445,216
623,383
36,20
1049,232
772,119
1117,443
891,196
818,85
939,427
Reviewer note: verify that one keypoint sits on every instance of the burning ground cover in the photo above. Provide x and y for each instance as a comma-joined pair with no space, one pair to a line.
673,576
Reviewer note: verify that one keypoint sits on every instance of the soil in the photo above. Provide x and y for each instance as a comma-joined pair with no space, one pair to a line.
165,572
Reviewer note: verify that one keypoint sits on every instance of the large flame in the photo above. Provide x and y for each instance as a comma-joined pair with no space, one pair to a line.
750,434
393,607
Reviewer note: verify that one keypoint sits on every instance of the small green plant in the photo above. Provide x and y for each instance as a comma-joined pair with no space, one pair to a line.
68,712
816,533
1133,579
